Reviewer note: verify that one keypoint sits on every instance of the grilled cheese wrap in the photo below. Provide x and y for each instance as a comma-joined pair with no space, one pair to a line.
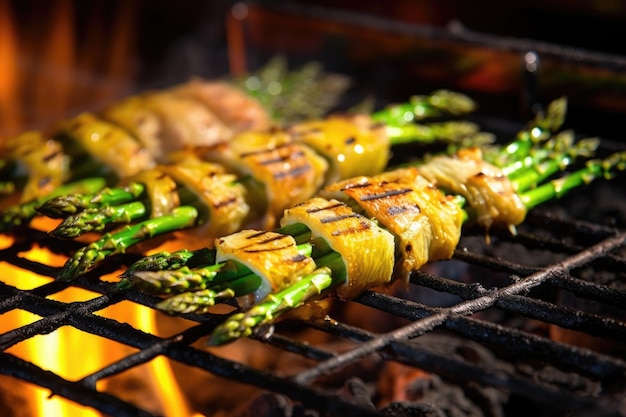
271,256
426,224
487,190
366,249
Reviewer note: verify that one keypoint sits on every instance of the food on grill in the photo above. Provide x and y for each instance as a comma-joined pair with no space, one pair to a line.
216,192
93,142
238,111
345,268
485,187
426,222
271,256
282,172
42,159
366,249
135,134
275,170
351,144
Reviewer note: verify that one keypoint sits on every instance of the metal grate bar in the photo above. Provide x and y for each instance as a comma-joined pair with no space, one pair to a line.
74,391
513,341
412,353
564,316
466,307
77,315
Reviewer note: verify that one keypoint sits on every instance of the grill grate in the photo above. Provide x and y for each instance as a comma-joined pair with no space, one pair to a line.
487,296
598,385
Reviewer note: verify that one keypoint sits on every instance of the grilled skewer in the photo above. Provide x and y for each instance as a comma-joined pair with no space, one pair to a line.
290,171
277,167
133,135
351,244
116,242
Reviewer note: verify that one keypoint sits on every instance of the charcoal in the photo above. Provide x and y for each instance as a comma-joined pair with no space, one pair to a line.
408,409
269,405
356,391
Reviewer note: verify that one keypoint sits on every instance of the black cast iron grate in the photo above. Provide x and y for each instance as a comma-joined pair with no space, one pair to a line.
486,296
569,377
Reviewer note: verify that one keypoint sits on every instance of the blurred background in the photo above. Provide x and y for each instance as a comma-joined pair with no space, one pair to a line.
60,57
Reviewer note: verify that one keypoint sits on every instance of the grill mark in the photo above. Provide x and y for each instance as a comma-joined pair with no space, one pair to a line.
262,151
298,258
389,193
318,209
332,219
282,158
257,234
226,202
248,249
396,210
267,240
294,172
353,230
351,186
49,157
264,249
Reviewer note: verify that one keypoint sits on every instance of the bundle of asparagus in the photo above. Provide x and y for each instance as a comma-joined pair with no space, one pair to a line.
363,232
137,133
275,169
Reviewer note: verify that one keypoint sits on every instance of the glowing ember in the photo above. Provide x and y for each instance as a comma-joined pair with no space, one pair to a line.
71,73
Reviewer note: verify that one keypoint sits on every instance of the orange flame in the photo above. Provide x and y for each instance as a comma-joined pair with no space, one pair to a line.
74,354
9,115
69,74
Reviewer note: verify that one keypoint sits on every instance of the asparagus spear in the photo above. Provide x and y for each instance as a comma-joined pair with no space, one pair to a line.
537,131
86,257
288,95
98,219
68,204
242,324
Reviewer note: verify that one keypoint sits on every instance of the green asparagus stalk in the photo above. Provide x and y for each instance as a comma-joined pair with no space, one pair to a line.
109,244
69,204
561,145
242,324
292,95
175,260
419,107
97,219
594,169
537,131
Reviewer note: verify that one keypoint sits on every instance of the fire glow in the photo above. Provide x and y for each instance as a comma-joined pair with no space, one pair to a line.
46,75
74,354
